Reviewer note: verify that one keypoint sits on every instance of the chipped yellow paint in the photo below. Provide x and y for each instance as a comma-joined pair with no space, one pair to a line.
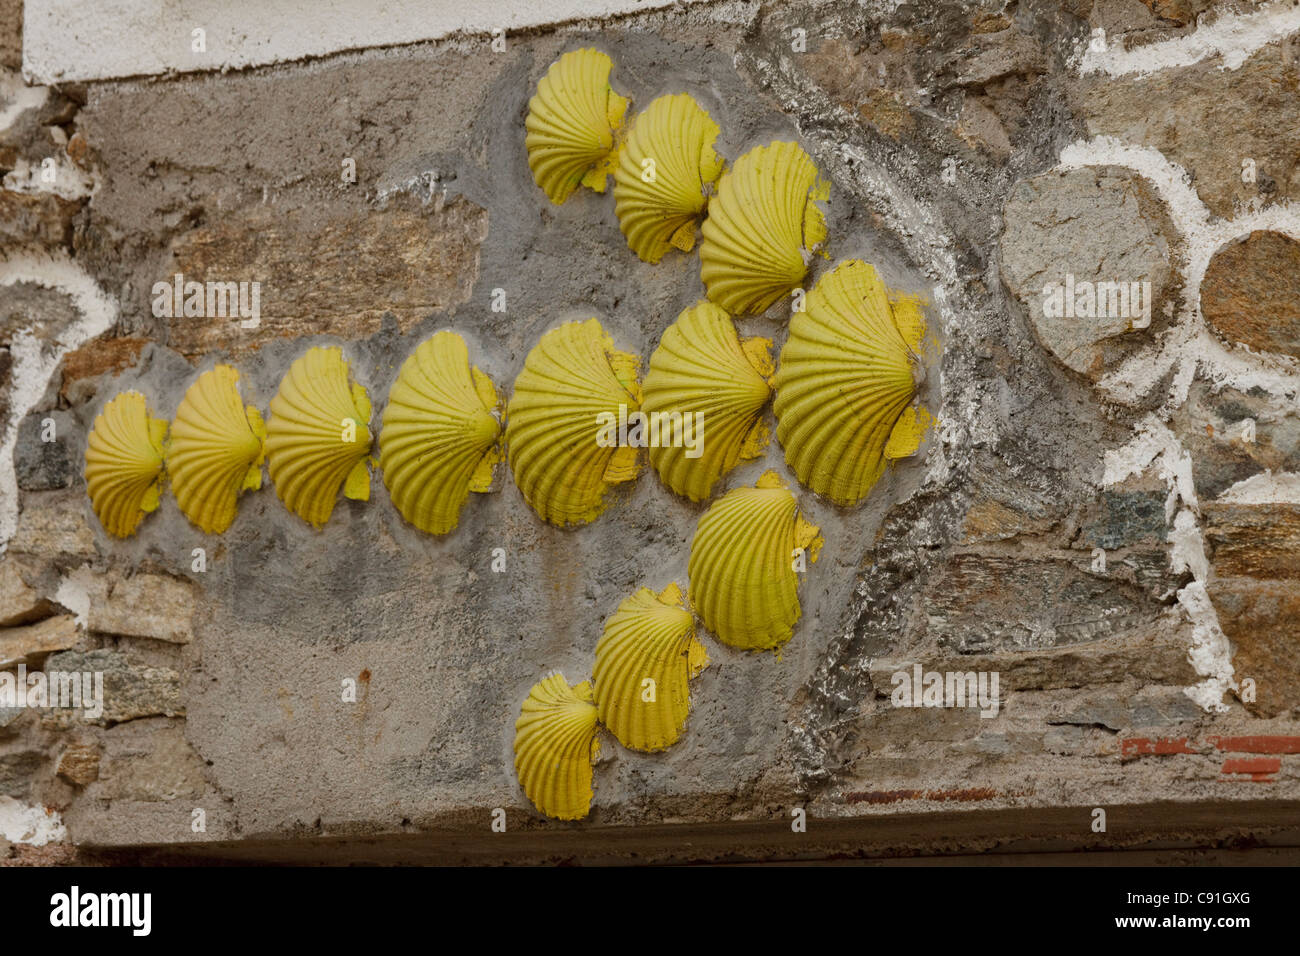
441,434
715,388
697,658
744,585
124,463
555,747
572,377
759,352
574,121
814,220
848,373
910,319
318,437
644,659
216,450
665,174
908,433
763,227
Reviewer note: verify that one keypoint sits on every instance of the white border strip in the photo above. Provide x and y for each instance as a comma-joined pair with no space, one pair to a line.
65,40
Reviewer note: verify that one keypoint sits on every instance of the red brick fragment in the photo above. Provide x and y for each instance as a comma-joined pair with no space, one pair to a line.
1260,744
1131,747
1259,769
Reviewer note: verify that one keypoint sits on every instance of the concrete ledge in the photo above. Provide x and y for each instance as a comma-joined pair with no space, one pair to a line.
1141,834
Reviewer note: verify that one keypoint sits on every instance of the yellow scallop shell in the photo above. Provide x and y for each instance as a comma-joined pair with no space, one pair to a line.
763,228
666,171
318,437
644,660
574,384
744,585
846,383
215,452
441,434
573,123
555,747
707,385
124,463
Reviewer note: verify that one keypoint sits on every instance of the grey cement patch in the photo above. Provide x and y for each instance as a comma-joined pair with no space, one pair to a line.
451,648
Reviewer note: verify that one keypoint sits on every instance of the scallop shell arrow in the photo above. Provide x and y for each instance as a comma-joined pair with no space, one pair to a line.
746,548
441,434
124,463
763,228
216,450
666,172
556,744
573,123
644,660
704,399
846,381
318,437
562,422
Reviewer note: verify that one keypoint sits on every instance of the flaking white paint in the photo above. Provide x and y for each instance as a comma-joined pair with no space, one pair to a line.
36,357
1265,488
17,98
74,593
61,178
34,826
1231,37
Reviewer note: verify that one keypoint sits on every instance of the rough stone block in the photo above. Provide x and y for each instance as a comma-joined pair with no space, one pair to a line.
36,219
149,760
100,357
11,36
1156,656
1251,293
1232,435
53,524
130,690
1256,591
17,770
28,644
1261,618
142,605
19,603
1127,517
1076,246
1254,541
79,764
42,465
999,602
334,272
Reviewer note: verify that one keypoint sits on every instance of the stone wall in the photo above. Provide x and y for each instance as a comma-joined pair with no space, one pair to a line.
1106,516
